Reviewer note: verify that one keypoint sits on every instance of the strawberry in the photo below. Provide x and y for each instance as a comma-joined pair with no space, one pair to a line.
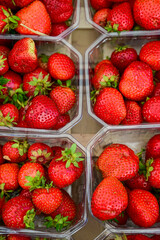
57,151
156,237
134,113
47,200
43,61
137,81
18,212
98,65
62,121
29,19
22,121
122,57
147,13
4,50
37,82
118,160
143,208
120,18
9,176
101,16
1,156
9,115
99,4
23,56
121,219
153,173
15,151
138,182
61,66
153,147
110,106
109,199
58,28
30,174
141,237
151,110
59,11
65,169
3,13
16,237
26,193
22,3
9,4
150,54
42,113
156,91
40,153
106,76
3,65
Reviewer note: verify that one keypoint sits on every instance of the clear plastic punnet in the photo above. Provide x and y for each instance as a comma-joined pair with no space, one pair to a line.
135,138
48,47
77,190
101,49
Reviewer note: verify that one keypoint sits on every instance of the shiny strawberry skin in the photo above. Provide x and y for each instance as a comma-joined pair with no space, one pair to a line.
12,110
2,16
99,4
141,237
100,17
57,150
156,91
9,175
153,147
139,182
62,121
4,50
22,3
3,65
16,237
98,65
154,178
58,28
151,110
26,193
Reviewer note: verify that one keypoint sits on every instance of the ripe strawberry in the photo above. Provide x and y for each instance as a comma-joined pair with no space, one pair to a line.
65,169
22,3
30,174
118,160
30,23
109,199
141,237
137,81
110,106
134,113
62,121
57,151
37,82
98,65
101,16
3,25
40,153
156,91
153,147
153,173
9,176
9,115
143,208
4,50
106,76
59,11
16,237
22,121
18,212
147,14
26,193
156,237
23,56
8,4
47,200
139,182
120,18
99,4
2,202
151,110
3,65
122,57
58,28
150,54
121,219
43,61
1,156
15,151
61,66
42,113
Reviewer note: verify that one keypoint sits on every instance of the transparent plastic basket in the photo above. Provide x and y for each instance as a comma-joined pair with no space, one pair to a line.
136,138
78,190
89,12
48,47
98,51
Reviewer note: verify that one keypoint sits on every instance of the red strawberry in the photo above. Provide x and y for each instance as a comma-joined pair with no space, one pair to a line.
110,106
22,3
16,237
47,200
4,50
153,174
15,151
59,11
120,18
58,28
62,121
9,176
156,91
151,110
42,113
61,66
118,160
3,65
156,237
57,151
22,121
138,182
1,156
101,16
2,202
30,19
9,4
23,56
65,169
40,153
153,147
37,82
143,208
141,237
15,210
122,57
3,13
43,62
137,81
99,4
98,65
134,113
29,175
9,115
109,199
121,219
26,193
147,13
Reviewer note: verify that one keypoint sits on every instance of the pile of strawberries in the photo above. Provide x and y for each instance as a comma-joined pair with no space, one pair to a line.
126,87
130,185
126,15
35,91
35,17
136,237
32,178
20,237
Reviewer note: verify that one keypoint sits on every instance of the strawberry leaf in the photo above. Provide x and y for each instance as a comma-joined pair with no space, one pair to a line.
29,219
59,222
3,80
35,182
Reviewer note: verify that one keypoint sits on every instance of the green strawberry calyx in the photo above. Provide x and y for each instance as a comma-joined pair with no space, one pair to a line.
111,28
2,190
68,84
41,84
149,168
2,238
28,219
124,237
44,58
35,182
22,146
10,20
3,81
69,155
110,81
94,94
41,156
59,222
2,59
121,48
6,121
